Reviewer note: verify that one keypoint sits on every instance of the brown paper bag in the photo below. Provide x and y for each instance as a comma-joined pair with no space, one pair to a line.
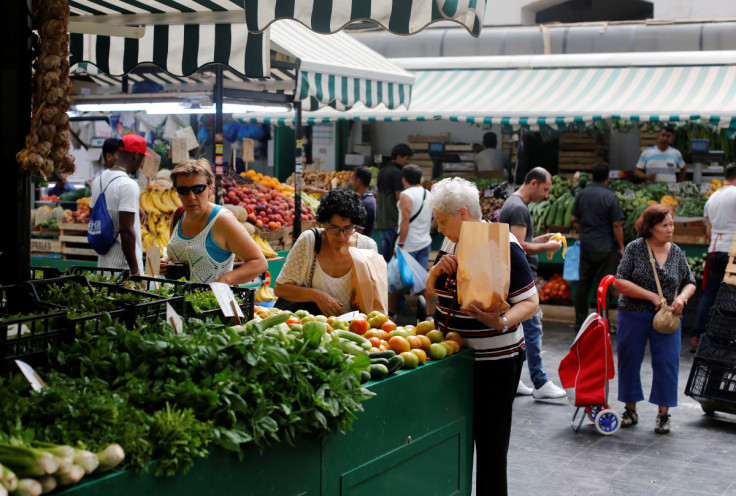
483,265
369,284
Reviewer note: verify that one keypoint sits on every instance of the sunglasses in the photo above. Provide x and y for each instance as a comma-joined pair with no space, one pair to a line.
197,189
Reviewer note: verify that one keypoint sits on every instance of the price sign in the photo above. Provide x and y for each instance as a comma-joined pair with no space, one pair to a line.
488,193
174,319
225,298
705,188
248,149
33,378
349,316
187,134
629,195
153,260
150,165
179,152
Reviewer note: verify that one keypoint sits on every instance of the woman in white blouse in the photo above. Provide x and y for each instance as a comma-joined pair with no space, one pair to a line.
322,276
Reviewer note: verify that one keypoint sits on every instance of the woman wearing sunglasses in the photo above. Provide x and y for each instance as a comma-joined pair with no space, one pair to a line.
322,276
207,236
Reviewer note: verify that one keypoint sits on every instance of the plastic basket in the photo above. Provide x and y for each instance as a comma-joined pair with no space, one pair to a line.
712,381
112,274
721,327
726,300
151,308
28,338
157,284
715,353
247,295
44,272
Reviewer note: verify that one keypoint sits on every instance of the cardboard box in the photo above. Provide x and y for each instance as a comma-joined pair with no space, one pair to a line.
690,233
82,87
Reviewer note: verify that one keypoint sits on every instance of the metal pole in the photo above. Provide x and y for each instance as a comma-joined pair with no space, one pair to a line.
218,132
298,161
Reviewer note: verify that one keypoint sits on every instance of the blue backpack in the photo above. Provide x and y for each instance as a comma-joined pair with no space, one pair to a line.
101,231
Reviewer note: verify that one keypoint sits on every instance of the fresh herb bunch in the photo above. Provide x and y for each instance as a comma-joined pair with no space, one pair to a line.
202,301
83,301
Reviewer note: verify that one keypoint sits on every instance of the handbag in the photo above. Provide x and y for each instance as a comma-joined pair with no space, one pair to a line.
309,306
665,321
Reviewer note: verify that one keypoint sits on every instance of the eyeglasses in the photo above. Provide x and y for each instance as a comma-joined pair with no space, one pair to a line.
197,189
334,231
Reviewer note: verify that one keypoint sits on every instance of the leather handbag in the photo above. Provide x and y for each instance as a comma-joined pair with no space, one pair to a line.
309,306
665,321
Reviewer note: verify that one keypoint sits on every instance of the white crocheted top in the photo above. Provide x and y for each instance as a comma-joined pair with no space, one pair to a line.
202,267
299,263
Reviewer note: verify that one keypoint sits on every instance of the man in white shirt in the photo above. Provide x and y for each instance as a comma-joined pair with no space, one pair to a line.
720,227
122,196
662,163
491,159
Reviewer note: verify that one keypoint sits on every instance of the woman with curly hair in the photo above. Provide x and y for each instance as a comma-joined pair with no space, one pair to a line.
317,270
637,306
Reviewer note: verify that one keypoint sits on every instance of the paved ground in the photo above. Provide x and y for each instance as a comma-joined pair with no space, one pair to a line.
547,458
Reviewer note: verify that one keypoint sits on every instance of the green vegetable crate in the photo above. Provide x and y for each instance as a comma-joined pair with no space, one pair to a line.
28,337
199,302
139,304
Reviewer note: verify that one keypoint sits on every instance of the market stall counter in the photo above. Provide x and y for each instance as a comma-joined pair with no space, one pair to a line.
414,437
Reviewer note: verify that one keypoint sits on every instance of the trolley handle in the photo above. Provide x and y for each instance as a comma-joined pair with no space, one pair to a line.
602,290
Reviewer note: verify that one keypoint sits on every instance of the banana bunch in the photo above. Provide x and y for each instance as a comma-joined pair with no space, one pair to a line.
265,293
268,252
538,211
159,201
310,201
558,237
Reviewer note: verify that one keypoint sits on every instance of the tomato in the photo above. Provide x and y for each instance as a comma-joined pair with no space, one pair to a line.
375,342
399,344
292,320
453,336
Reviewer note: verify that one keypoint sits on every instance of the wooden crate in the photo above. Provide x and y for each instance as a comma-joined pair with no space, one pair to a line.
74,244
45,245
646,139
578,152
730,276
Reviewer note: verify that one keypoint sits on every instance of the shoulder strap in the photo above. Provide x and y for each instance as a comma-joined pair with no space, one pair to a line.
656,275
177,214
424,197
317,247
108,184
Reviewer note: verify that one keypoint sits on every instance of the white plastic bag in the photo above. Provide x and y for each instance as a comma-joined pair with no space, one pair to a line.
419,273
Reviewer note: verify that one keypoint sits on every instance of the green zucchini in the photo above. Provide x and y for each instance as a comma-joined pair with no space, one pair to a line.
272,320
395,363
355,338
382,361
378,372
365,376
382,354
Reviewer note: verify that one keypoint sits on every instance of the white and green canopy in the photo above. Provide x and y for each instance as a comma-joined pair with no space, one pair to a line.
559,90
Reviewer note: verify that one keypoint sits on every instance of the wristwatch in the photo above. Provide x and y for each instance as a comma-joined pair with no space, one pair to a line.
505,324
401,245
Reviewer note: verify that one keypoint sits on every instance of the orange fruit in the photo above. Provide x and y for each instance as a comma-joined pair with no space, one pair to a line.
399,344
424,327
388,326
421,355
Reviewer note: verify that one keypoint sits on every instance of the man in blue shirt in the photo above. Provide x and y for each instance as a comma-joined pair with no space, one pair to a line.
662,163
599,214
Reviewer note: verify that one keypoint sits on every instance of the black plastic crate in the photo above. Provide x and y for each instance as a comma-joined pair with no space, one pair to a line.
726,300
721,326
100,274
715,353
712,381
147,306
247,295
28,338
157,285
44,272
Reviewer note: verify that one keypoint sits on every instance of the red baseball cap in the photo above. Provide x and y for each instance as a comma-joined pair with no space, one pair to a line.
133,143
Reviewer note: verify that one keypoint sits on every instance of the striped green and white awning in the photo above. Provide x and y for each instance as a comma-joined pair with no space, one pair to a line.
397,16
557,96
334,70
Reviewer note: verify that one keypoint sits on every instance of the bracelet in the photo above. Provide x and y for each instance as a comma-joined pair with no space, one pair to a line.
684,302
401,245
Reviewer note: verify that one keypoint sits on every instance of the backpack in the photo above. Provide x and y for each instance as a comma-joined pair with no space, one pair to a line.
101,231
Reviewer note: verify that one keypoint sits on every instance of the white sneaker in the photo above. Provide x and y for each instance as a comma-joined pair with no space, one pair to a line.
523,390
549,390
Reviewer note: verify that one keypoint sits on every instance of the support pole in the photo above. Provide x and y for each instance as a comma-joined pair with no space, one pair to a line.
15,121
298,162
219,143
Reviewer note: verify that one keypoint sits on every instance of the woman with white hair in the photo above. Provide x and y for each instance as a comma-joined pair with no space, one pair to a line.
497,337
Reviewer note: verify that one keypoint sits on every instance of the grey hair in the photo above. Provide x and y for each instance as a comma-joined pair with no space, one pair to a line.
451,194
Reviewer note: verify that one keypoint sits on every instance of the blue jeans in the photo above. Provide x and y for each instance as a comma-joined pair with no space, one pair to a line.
533,338
634,330
717,267
386,243
421,255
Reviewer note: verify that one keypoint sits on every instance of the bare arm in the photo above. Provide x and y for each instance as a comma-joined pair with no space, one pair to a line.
229,234
708,229
521,311
643,175
635,291
679,304
299,294
683,173
128,239
618,233
540,244
405,209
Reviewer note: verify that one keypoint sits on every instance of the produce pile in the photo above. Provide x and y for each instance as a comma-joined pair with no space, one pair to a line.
268,181
556,210
697,264
324,180
158,206
47,145
556,290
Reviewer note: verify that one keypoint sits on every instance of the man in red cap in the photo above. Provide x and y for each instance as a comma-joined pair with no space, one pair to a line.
122,196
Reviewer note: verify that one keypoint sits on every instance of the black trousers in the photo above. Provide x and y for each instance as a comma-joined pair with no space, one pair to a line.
594,266
493,399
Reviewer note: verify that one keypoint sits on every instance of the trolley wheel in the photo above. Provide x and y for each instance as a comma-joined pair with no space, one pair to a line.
607,422
708,406
593,412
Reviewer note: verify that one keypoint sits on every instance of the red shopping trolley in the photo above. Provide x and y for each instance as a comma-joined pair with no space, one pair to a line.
588,367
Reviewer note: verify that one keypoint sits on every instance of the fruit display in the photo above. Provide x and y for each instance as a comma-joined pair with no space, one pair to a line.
697,264
264,293
269,182
47,145
556,290
158,205
45,213
324,180
266,208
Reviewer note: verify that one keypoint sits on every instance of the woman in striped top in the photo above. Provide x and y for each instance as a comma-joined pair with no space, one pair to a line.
496,337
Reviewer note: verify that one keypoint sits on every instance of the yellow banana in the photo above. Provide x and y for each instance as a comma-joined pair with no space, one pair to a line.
156,201
558,237
175,198
167,202
268,252
145,201
152,219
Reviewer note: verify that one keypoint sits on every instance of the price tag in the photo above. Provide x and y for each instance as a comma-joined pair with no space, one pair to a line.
150,165
488,193
705,188
349,316
179,151
153,260
249,146
187,134
33,378
174,319
225,298
629,195
673,187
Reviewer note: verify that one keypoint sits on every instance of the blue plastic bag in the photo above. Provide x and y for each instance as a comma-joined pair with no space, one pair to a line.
571,269
419,273
407,275
395,284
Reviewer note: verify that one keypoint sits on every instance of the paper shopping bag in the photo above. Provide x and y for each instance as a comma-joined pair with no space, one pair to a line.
369,283
484,264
